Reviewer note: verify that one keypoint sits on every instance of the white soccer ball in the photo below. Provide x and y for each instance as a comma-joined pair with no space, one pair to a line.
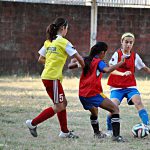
140,130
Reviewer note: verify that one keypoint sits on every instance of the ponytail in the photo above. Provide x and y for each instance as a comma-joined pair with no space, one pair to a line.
53,28
95,50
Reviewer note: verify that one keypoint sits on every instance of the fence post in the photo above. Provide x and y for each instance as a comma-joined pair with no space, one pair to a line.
93,35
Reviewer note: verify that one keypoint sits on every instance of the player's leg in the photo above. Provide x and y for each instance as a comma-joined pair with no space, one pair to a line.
95,123
62,118
116,102
52,88
116,97
92,104
115,118
62,113
136,99
133,97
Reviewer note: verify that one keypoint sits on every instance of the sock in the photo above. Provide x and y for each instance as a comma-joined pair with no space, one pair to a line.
109,126
94,123
115,121
144,116
62,117
44,115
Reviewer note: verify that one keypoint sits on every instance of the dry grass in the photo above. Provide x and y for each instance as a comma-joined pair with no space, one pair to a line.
24,98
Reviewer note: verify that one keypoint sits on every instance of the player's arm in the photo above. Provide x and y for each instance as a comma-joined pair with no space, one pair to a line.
77,58
73,64
80,60
146,69
103,67
126,73
139,64
41,59
42,53
113,61
110,69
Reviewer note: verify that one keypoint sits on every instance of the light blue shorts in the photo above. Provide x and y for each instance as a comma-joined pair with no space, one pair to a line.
94,101
126,92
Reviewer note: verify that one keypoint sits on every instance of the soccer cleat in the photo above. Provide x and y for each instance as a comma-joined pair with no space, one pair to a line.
32,128
148,127
70,134
99,135
118,139
109,133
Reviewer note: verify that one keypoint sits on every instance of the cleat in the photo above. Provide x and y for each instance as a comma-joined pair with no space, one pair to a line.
32,128
70,134
148,128
118,139
100,135
109,133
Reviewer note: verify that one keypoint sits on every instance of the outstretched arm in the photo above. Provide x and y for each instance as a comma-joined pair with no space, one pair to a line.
112,68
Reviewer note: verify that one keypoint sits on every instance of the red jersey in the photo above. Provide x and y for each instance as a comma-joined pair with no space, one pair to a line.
90,85
124,81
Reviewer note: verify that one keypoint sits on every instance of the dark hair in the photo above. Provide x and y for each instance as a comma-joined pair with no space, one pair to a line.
53,28
95,50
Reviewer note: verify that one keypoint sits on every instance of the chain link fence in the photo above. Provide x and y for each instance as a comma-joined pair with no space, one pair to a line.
109,3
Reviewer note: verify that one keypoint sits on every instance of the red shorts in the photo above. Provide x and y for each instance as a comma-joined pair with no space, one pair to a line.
54,90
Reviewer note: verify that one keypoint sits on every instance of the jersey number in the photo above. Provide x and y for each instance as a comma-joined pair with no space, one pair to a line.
61,97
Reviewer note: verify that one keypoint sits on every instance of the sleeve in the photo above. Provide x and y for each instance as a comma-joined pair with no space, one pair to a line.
70,49
42,51
101,65
114,59
139,64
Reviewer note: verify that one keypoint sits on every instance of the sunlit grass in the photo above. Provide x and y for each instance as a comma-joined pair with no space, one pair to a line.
24,98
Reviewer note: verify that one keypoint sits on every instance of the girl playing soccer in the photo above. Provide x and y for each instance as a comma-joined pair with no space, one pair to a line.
91,92
125,86
57,49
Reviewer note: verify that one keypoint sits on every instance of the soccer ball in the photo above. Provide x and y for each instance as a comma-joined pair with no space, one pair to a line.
140,130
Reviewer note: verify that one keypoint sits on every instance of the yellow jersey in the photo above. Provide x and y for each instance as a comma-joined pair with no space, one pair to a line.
56,57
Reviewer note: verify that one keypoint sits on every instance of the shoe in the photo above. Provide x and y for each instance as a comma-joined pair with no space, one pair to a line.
32,128
100,135
70,134
148,128
109,133
118,139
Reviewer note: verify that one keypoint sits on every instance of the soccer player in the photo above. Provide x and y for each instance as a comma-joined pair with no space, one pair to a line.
125,86
56,49
91,92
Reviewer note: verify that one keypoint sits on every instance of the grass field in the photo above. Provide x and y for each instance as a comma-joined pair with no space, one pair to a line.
24,98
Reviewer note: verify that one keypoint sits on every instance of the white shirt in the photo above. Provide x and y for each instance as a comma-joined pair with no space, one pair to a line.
139,64
69,49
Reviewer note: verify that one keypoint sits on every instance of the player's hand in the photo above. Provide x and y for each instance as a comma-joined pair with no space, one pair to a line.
127,73
73,60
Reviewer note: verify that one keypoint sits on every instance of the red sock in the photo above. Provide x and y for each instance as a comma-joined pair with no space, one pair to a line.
62,117
44,115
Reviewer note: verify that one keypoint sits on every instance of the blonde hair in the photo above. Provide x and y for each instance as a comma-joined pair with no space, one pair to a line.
127,34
